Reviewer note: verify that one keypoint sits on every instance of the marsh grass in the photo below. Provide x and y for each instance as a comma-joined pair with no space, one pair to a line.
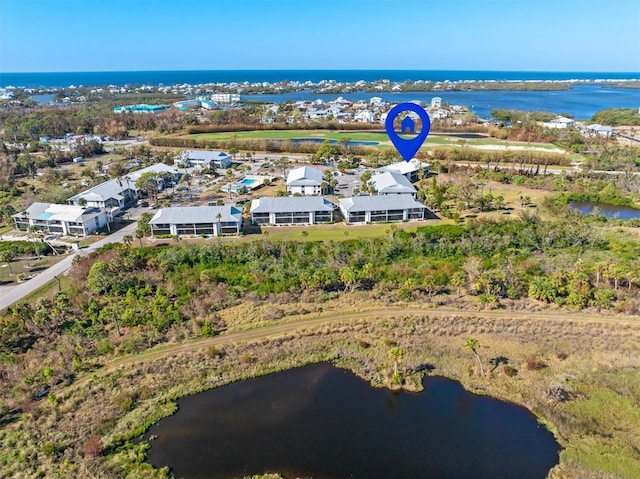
598,426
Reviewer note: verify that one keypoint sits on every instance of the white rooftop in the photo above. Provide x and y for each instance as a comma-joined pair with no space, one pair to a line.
56,212
305,176
404,167
290,203
102,192
203,155
197,214
379,203
388,182
158,168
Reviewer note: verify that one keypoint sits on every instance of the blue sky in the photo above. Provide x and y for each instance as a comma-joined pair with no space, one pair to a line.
525,35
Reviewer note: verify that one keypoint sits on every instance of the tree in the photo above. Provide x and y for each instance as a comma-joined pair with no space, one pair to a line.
127,240
149,183
458,280
472,345
144,227
82,202
396,354
348,277
7,211
7,256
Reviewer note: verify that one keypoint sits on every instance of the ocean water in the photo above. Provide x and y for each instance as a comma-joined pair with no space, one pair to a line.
64,79
580,101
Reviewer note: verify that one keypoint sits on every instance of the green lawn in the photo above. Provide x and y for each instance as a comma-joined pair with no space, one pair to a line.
26,266
339,231
382,138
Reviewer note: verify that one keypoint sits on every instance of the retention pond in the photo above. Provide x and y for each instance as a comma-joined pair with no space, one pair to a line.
606,209
322,422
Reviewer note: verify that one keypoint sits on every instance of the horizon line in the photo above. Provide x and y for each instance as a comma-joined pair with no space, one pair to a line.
318,69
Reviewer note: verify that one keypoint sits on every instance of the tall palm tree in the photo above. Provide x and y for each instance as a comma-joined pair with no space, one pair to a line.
396,354
219,218
7,256
473,345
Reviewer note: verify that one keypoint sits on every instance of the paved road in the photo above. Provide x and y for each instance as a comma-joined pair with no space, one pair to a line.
11,294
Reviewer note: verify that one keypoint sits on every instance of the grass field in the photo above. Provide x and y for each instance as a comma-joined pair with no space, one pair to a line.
382,138
26,266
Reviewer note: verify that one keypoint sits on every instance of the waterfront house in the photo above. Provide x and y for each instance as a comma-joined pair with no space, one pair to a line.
559,122
305,181
62,219
197,220
291,210
380,209
598,130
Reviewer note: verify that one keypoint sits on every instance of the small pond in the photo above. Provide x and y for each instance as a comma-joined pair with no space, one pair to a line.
326,423
606,209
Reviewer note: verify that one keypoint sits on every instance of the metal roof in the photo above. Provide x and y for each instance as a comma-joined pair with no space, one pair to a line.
55,212
404,167
204,155
197,214
388,182
379,203
290,204
158,168
102,192
305,176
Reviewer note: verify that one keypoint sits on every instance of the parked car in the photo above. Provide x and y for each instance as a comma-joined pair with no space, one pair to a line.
142,203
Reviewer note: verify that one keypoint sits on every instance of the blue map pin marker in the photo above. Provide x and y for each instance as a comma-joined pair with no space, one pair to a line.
408,148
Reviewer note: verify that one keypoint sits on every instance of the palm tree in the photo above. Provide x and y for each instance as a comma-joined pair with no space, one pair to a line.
139,235
458,280
7,256
127,240
219,218
395,355
473,345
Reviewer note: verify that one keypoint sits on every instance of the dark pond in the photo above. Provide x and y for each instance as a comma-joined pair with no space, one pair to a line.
323,422
608,210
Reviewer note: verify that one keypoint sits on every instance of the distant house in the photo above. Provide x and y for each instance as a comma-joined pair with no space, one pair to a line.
305,181
291,210
380,209
364,116
560,122
197,220
436,102
203,159
62,219
410,169
387,183
599,130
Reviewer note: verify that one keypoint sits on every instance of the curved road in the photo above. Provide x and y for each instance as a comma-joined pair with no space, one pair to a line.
11,294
